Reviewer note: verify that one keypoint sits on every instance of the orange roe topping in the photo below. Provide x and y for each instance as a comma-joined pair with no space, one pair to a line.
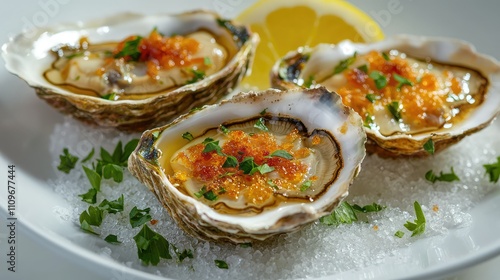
256,188
423,102
161,52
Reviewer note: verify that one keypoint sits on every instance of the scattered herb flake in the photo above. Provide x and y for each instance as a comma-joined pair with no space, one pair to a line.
263,112
197,76
84,225
231,161
444,177
94,178
386,56
113,239
343,64
139,217
224,129
371,97
110,96
130,49
89,156
113,206
93,216
379,79
260,124
200,193
374,207
399,234
272,184
210,195
68,161
363,68
306,185
226,174
281,153
368,122
151,246
113,171
402,81
188,136
429,146
90,196
248,165
207,61
221,264
211,145
263,169
309,82
394,109
418,226
221,191
187,253
73,55
343,214
493,170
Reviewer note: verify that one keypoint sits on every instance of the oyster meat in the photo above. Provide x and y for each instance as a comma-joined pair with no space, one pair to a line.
254,166
133,72
409,90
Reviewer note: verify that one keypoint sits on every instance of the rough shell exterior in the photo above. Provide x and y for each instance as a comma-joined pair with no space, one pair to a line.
132,115
201,221
444,50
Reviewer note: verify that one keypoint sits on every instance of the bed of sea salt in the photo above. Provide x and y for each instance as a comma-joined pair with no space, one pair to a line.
317,250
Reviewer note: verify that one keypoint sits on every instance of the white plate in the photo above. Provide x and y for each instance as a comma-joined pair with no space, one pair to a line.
26,124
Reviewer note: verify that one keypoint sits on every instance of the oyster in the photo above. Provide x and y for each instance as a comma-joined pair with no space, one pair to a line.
409,90
133,72
253,166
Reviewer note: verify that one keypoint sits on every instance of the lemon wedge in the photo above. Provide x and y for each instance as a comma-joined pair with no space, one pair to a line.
284,26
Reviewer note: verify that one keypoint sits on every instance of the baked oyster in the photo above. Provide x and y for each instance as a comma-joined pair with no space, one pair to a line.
130,71
253,166
411,91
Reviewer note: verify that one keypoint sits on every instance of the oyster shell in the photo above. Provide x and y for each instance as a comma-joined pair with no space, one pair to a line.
147,101
435,89
282,130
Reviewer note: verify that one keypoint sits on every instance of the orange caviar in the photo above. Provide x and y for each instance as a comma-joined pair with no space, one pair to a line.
232,182
161,52
423,100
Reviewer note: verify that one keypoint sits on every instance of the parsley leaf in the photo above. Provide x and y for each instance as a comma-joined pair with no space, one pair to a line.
305,186
260,124
207,61
188,136
221,264
263,112
263,169
113,171
113,206
363,68
90,196
197,76
138,217
68,161
493,170
91,217
374,207
224,129
429,146
182,255
151,246
272,184
89,156
386,56
112,239
231,161
444,177
281,153
208,195
211,145
394,109
343,64
110,96
402,81
399,234
309,82
371,97
342,214
94,178
368,122
379,79
130,49
418,226
248,166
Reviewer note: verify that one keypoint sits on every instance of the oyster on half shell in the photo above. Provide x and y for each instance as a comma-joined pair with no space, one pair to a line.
253,166
410,90
130,71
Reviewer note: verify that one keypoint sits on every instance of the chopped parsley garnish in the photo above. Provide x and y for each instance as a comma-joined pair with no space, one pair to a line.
68,161
109,96
429,146
342,214
263,112
93,177
197,76
113,171
113,206
151,246
111,165
399,234
246,245
207,61
493,170
249,167
281,153
224,129
221,191
231,161
368,122
374,207
371,97
343,64
91,217
309,82
131,49
208,195
187,253
90,196
89,156
138,217
395,111
444,177
211,145
113,239
379,79
260,124
386,56
188,136
363,68
418,225
272,184
402,81
73,55
306,185
226,174
221,264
